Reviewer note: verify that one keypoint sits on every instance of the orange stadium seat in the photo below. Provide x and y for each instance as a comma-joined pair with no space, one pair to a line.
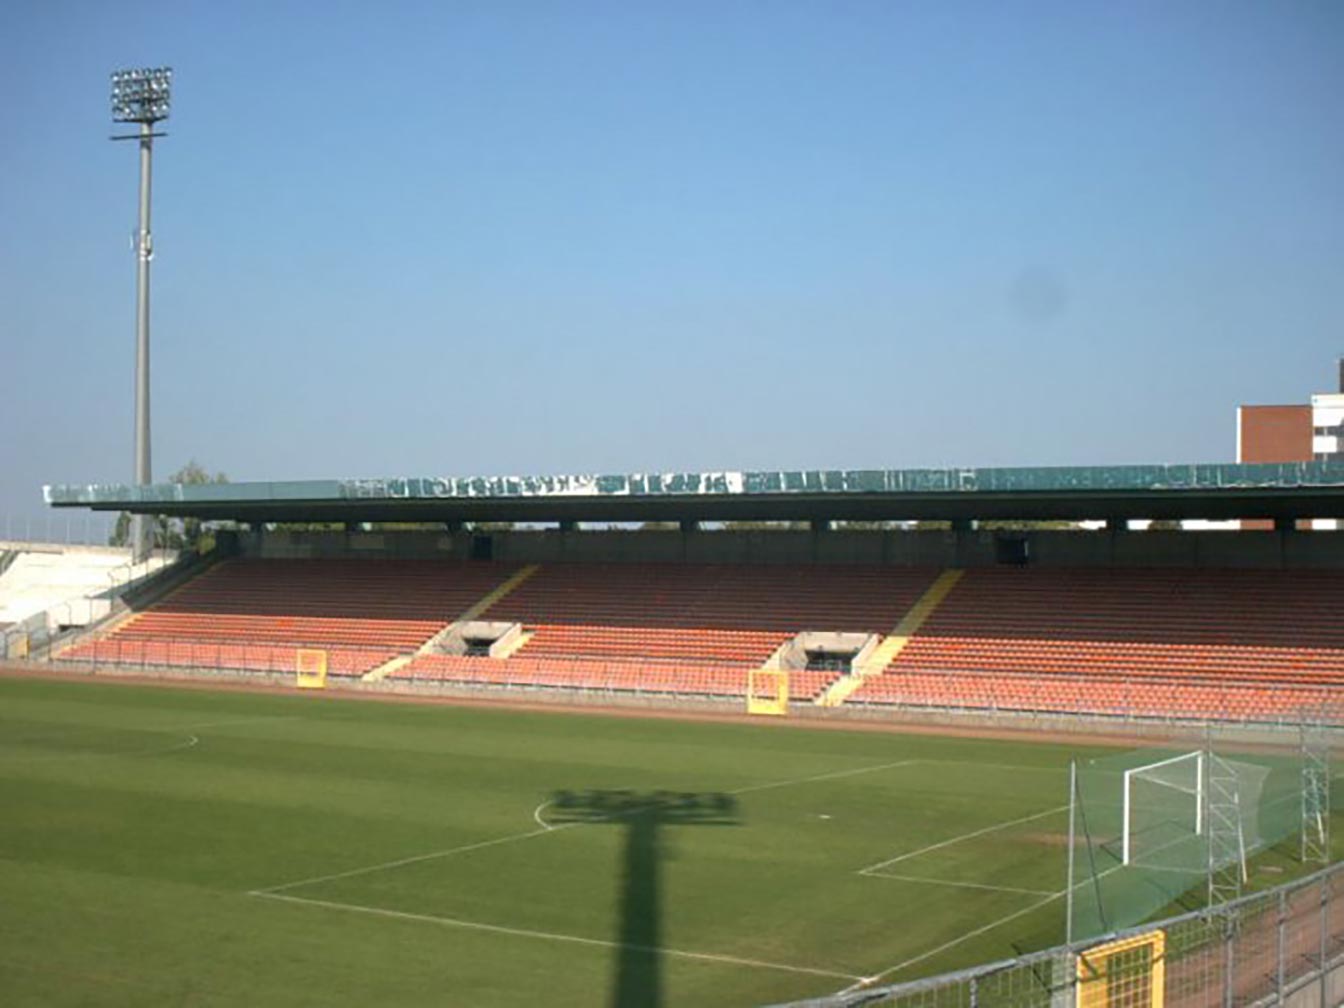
253,615
1187,643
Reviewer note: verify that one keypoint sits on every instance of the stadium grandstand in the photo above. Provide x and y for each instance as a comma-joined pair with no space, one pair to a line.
1030,609
1027,610
850,604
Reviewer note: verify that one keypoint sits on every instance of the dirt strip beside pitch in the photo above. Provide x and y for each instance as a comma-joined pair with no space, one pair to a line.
823,719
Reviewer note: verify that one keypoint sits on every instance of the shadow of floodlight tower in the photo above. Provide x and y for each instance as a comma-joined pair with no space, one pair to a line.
638,982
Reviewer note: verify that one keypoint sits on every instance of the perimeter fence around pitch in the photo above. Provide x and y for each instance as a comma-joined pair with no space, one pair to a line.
1283,946
37,641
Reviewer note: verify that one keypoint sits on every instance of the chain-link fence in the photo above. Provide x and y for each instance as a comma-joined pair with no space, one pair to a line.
1284,946
71,528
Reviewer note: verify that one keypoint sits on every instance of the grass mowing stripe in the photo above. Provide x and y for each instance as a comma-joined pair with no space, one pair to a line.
913,960
140,868
546,828
866,981
191,742
414,859
553,936
872,868
820,777
230,722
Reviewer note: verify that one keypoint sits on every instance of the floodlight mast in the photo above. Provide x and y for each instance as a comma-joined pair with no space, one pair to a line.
142,96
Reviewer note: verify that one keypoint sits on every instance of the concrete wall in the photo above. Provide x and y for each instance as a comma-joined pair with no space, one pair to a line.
1263,550
72,583
1309,993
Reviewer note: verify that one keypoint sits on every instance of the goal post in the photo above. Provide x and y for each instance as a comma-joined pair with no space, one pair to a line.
768,691
310,668
1162,803
1151,826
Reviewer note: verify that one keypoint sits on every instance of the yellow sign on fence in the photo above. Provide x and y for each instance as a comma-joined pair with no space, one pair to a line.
310,668
1129,973
768,691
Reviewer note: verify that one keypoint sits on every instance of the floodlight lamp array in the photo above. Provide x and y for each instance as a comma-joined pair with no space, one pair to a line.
141,96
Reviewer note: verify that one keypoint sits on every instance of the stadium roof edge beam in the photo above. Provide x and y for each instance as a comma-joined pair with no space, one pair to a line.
1283,491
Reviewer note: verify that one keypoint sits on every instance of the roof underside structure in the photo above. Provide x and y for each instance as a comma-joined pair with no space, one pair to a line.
1280,491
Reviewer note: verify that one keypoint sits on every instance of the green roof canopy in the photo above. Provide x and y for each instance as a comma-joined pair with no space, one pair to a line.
1279,490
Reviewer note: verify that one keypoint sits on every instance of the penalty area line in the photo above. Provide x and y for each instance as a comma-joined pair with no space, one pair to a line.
961,885
545,827
875,978
913,960
821,777
557,937
874,868
414,859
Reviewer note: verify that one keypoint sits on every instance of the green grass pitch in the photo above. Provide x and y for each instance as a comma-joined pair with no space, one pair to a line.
163,846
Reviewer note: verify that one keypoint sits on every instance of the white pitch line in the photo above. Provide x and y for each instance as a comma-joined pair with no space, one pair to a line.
536,815
414,859
228,723
190,743
556,936
960,885
825,776
544,829
869,981
998,766
958,839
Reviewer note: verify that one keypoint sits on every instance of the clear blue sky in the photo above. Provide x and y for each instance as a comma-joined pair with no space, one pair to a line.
451,238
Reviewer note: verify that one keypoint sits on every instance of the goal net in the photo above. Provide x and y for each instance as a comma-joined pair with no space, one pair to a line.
1162,811
1156,826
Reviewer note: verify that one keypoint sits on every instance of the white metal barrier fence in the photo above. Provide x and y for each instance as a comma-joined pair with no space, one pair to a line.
1284,946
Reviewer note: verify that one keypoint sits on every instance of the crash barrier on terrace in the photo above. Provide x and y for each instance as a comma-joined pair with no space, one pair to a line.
193,655
1283,946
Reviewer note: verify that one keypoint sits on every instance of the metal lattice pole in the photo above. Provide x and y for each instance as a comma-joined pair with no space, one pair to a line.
1223,822
1315,793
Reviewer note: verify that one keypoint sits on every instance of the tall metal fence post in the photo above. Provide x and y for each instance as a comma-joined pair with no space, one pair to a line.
1325,933
1282,947
1068,882
1229,958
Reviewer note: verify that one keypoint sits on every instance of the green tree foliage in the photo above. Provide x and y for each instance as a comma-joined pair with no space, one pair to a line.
175,533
